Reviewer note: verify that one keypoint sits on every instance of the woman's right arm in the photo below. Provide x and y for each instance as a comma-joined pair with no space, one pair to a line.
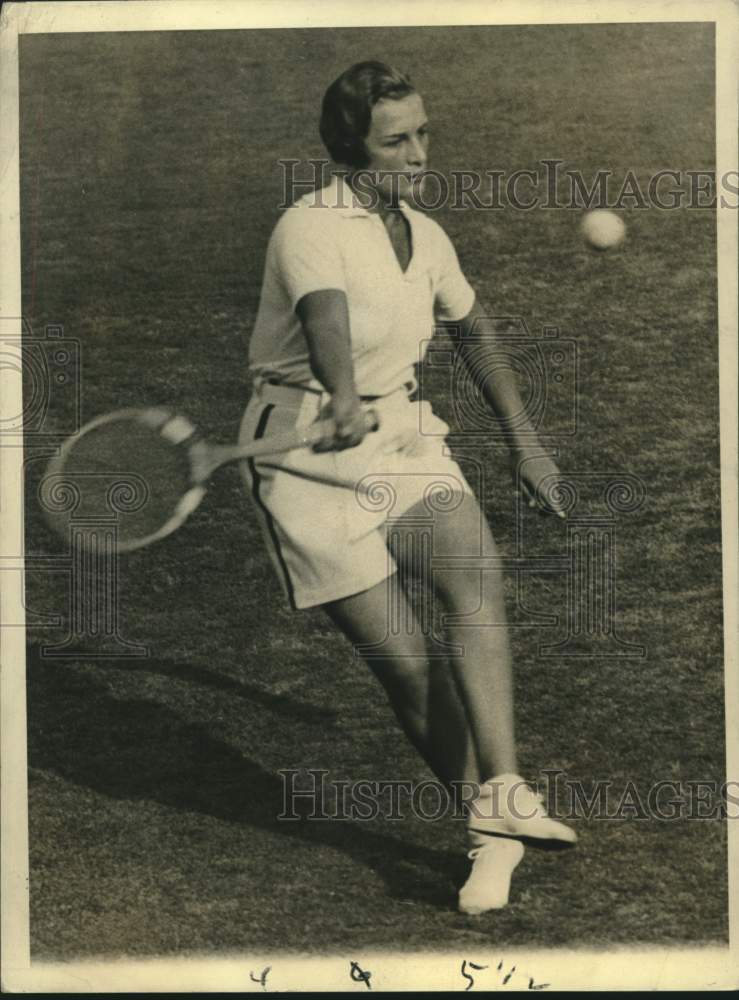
324,316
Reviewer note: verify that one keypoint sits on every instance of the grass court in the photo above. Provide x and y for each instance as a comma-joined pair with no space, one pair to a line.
149,190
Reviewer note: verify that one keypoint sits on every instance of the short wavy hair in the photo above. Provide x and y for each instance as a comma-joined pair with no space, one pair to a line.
347,106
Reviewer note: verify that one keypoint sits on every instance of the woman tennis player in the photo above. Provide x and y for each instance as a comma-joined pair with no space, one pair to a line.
354,280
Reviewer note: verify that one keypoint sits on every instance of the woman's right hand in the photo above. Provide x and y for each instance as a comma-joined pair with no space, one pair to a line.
351,423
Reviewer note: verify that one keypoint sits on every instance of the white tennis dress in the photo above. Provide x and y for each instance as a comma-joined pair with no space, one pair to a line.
324,514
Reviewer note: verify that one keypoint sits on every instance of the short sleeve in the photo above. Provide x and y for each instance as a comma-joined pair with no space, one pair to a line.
453,295
306,254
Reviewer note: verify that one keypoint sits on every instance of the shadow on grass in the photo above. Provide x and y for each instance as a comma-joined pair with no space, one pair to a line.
139,750
282,704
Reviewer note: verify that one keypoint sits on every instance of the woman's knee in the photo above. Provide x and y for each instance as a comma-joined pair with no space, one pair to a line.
401,669
468,591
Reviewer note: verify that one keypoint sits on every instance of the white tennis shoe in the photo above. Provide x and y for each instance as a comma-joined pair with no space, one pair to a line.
493,863
508,807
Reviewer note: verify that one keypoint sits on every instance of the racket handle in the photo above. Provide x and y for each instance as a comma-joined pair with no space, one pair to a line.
317,432
278,443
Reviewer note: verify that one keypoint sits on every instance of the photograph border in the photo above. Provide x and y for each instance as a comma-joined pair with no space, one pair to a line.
652,968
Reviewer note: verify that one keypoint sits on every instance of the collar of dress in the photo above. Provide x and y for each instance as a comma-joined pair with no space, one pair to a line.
338,196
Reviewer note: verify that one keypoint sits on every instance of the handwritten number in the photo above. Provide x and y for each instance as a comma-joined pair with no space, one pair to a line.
506,978
262,979
466,975
360,976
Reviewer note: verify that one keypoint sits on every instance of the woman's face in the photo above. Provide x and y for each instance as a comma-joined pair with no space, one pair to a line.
397,146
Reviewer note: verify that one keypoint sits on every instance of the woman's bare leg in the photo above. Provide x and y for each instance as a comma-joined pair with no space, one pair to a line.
422,693
483,668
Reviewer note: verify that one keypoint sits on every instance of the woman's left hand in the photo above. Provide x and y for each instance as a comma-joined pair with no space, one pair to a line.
537,477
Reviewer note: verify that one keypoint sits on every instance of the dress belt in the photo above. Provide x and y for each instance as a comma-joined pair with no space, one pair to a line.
410,387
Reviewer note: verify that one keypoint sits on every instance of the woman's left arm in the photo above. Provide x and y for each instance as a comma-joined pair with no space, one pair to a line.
536,471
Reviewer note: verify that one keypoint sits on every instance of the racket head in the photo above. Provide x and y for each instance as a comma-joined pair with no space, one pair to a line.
129,474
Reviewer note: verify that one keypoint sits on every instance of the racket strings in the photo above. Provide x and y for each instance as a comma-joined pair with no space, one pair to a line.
130,475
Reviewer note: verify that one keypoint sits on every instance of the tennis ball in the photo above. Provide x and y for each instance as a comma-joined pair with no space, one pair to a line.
602,229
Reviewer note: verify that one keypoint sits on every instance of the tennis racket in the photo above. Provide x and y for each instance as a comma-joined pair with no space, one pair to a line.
145,471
